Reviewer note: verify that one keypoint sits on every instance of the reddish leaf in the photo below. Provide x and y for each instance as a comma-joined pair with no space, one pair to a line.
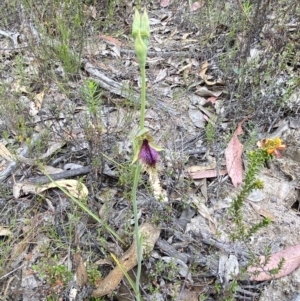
203,174
291,257
110,39
212,99
165,3
233,156
196,5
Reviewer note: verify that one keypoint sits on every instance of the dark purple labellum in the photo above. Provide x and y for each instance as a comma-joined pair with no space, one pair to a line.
148,155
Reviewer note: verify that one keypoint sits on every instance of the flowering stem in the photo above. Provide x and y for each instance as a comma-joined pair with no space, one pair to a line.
135,185
140,32
136,229
143,97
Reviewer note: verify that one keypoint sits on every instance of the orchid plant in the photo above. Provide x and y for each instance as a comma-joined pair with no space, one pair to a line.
145,150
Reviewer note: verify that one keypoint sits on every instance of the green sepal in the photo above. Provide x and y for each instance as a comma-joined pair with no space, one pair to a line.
140,50
136,24
145,28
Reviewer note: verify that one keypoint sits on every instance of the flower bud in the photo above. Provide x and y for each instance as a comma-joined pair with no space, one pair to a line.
136,24
145,28
140,50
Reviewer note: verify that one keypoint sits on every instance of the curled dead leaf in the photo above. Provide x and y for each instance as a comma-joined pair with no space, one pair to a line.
203,74
74,187
150,234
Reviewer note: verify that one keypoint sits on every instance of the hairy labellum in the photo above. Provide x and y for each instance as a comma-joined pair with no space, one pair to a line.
148,155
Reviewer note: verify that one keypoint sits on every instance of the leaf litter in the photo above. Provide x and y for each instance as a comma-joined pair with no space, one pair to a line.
184,69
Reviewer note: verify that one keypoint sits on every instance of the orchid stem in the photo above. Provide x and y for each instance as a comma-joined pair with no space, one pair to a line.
135,185
136,230
140,27
143,97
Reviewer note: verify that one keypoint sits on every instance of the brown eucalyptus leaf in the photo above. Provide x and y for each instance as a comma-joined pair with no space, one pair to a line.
233,156
196,5
150,235
165,3
80,270
291,256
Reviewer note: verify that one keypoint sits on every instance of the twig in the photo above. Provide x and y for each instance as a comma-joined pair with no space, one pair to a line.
62,175
4,276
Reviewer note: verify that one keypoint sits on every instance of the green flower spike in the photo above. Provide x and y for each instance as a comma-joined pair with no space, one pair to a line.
145,150
141,34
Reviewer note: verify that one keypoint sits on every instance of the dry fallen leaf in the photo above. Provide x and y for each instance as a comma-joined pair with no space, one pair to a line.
196,168
80,270
291,256
74,187
212,99
38,99
51,170
196,5
210,173
203,210
160,76
5,153
203,73
233,156
165,3
4,231
262,211
203,91
111,40
128,261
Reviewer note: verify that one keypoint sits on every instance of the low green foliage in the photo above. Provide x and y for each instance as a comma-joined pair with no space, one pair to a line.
94,275
210,133
53,272
256,161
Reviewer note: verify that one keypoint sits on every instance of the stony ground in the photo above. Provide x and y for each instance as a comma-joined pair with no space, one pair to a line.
69,97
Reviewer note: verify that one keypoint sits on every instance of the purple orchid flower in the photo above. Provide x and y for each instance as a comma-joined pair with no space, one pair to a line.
148,155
